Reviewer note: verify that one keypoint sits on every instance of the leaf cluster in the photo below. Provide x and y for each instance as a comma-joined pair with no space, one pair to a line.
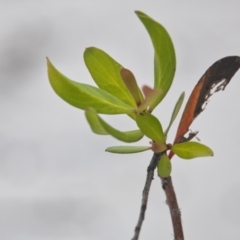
117,92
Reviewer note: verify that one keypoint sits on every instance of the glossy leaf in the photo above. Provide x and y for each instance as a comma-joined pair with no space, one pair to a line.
106,73
175,112
164,57
189,150
131,84
164,166
151,95
213,80
82,95
99,126
150,126
127,149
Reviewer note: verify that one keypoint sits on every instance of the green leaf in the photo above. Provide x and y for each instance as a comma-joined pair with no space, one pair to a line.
127,149
151,95
164,166
82,95
128,136
94,122
164,57
131,83
175,112
189,150
106,73
99,126
150,126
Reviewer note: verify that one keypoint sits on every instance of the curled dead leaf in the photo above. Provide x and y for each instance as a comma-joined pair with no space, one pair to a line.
216,78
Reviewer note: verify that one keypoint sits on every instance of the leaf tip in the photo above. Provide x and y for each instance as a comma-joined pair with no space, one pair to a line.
87,49
50,66
139,13
48,61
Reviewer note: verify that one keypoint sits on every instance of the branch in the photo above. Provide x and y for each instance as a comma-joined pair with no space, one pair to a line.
150,174
173,207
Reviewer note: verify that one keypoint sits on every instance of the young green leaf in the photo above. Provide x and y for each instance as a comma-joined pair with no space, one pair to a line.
94,122
150,126
164,57
106,73
127,149
82,95
131,83
164,166
175,112
189,150
99,126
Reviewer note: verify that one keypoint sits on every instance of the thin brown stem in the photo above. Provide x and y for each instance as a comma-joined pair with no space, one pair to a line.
173,207
171,201
150,174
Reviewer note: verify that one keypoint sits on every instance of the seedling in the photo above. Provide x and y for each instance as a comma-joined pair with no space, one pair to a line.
119,93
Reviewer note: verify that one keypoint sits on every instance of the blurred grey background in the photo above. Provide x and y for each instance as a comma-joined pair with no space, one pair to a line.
56,181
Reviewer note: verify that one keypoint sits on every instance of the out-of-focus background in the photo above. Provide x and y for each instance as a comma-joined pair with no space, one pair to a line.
56,181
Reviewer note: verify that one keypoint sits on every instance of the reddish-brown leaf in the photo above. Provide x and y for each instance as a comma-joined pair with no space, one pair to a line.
131,84
216,78
151,95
